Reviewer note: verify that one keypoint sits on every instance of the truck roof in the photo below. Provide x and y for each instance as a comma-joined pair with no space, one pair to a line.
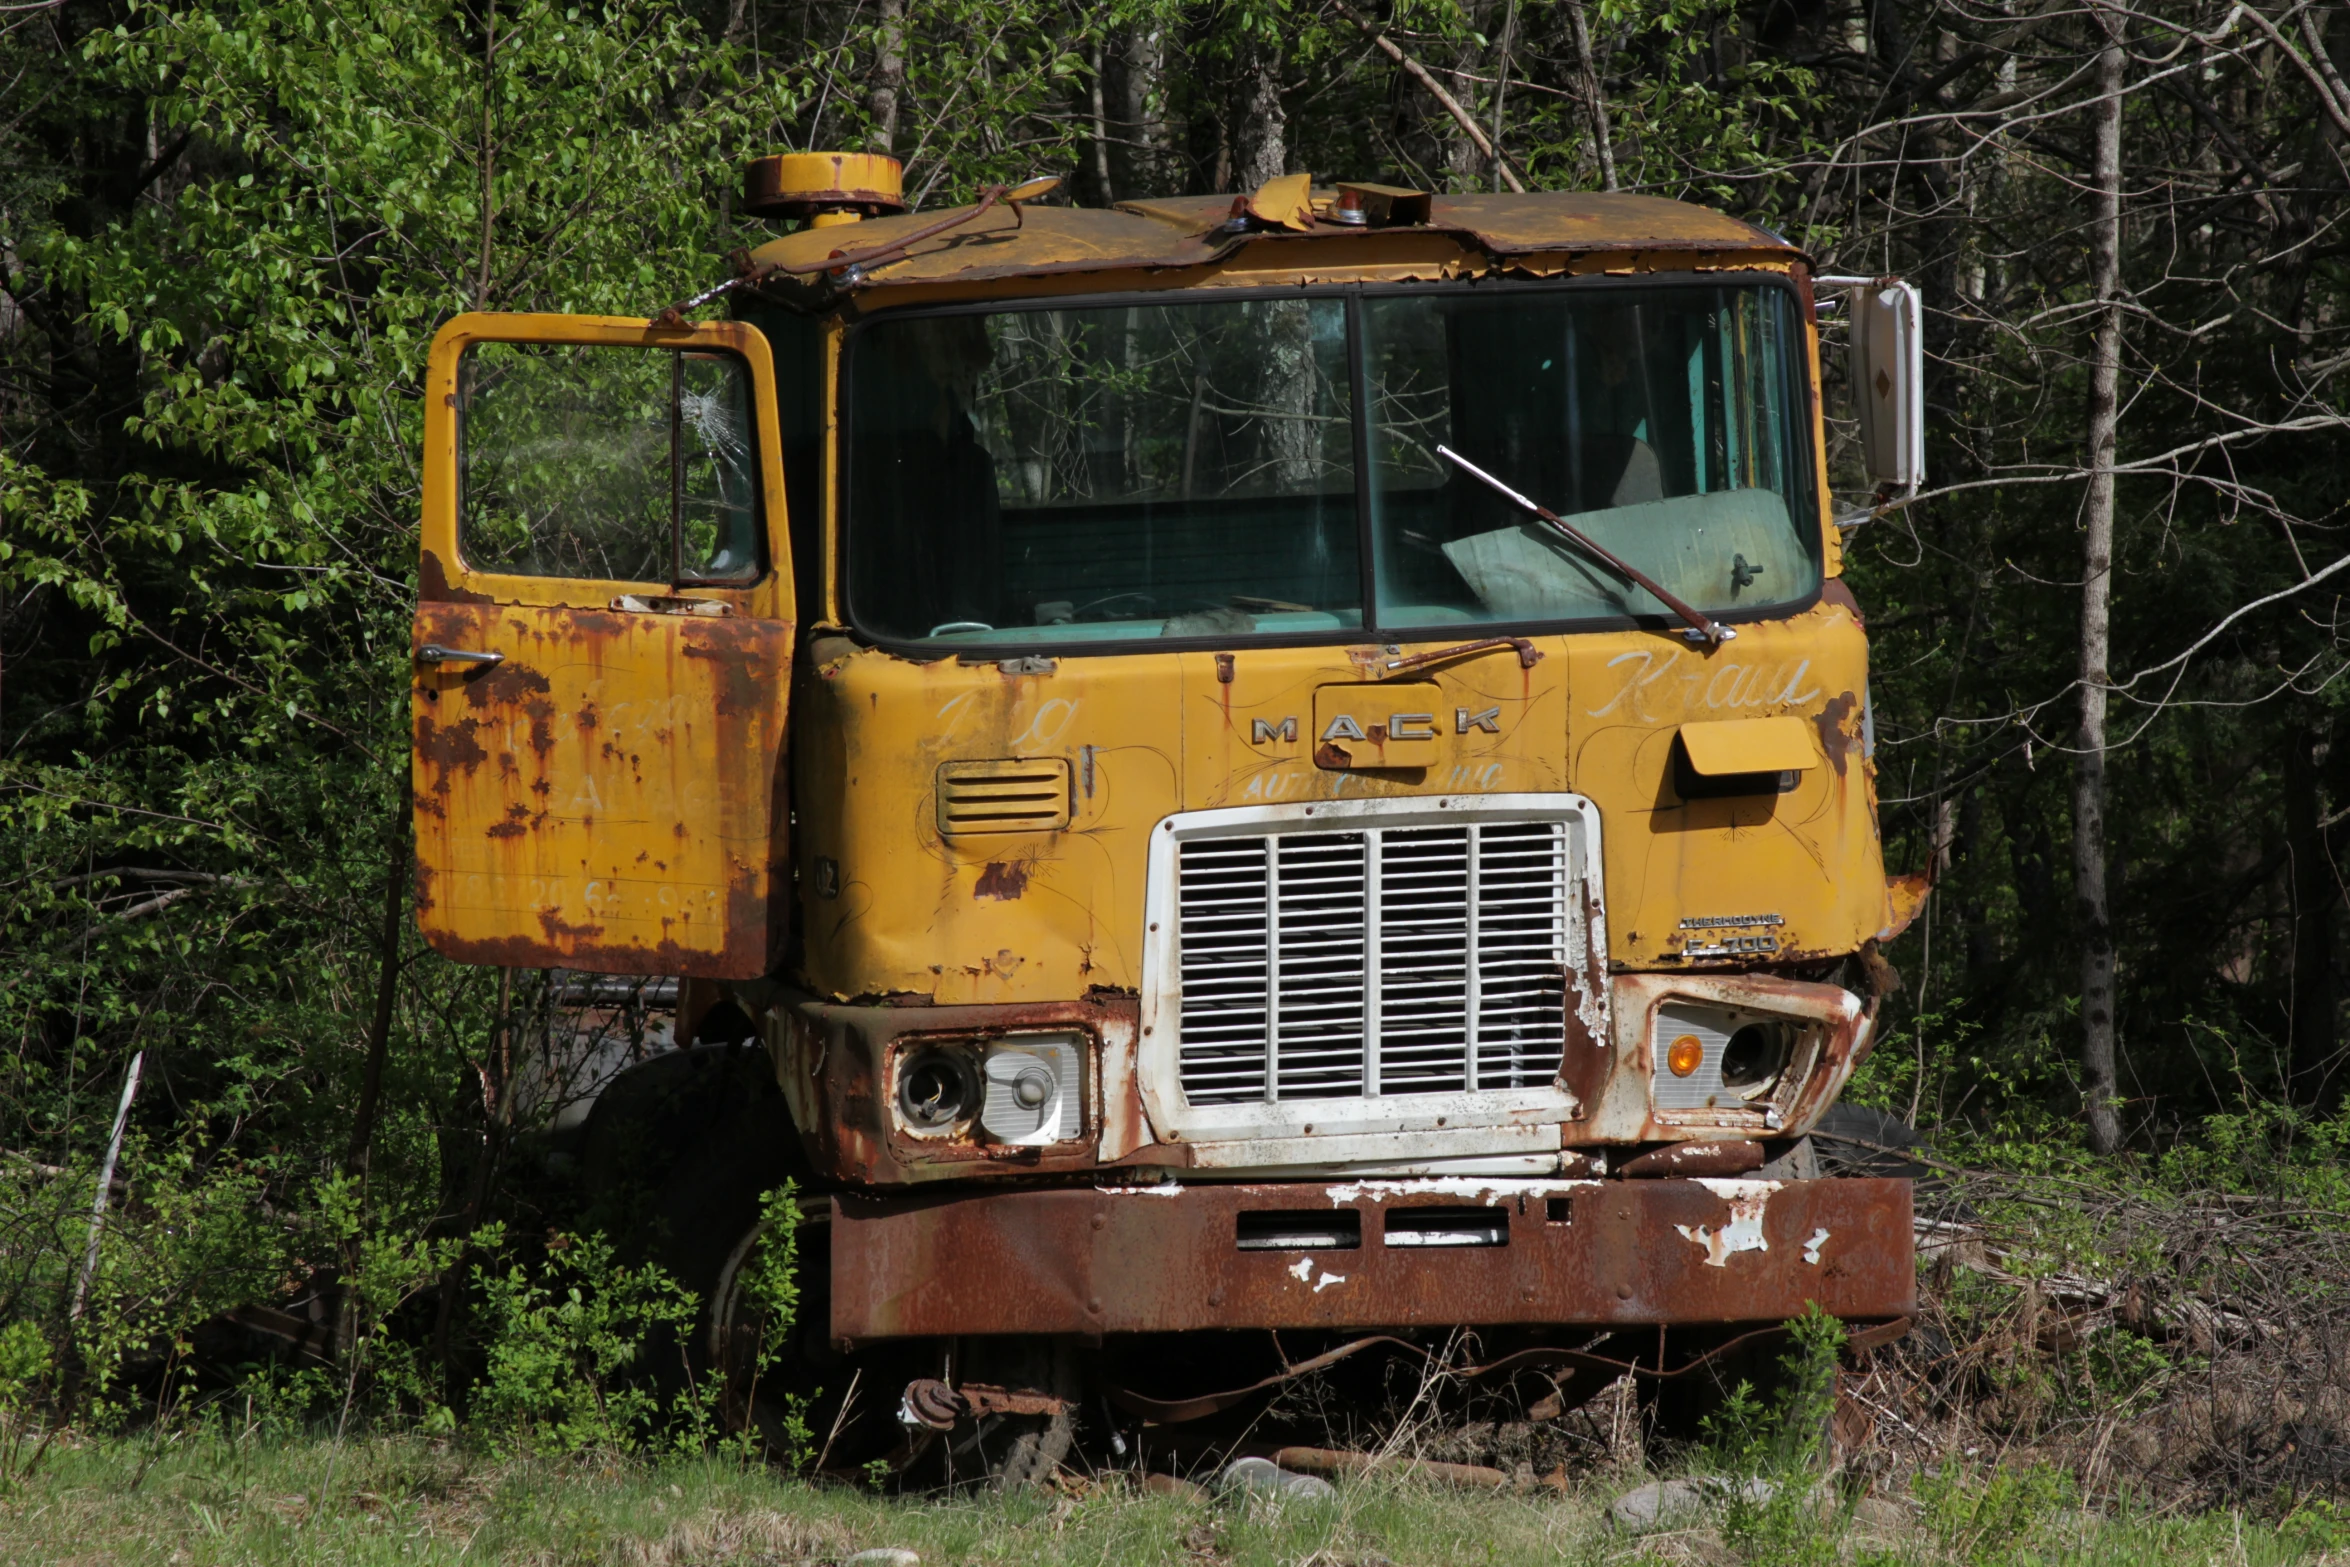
1190,232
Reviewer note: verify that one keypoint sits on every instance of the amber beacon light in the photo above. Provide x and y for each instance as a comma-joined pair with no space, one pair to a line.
825,188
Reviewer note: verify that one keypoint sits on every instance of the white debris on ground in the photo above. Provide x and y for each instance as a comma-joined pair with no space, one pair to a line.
1666,1504
1263,1477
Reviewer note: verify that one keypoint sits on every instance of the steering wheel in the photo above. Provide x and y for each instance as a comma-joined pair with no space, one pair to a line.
944,627
1143,600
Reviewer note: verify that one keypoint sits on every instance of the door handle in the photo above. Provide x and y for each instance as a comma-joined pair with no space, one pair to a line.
434,653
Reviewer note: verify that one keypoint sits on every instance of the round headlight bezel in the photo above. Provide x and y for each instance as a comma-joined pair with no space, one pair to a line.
938,1090
1756,1056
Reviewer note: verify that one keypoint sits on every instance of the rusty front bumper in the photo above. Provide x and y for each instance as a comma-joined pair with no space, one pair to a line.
1095,1260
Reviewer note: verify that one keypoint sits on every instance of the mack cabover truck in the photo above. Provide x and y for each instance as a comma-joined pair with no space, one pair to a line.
1276,777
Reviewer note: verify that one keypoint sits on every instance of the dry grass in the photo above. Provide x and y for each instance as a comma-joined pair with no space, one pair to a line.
2096,1378
210,1503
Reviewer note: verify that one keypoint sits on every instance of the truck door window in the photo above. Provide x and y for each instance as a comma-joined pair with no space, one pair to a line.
607,463
1099,474
1660,420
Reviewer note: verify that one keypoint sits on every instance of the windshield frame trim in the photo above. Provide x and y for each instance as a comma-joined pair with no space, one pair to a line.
1806,421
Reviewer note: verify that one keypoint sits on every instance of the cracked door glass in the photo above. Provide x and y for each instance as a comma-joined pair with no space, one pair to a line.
606,463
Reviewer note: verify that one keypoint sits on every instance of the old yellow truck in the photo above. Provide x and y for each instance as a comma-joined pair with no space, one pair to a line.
1296,765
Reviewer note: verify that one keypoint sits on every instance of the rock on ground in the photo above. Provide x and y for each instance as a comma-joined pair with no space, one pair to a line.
1668,1504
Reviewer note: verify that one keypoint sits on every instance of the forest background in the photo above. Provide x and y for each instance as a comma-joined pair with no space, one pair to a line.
2108,639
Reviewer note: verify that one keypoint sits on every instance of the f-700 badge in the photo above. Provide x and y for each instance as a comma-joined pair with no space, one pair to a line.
1725,945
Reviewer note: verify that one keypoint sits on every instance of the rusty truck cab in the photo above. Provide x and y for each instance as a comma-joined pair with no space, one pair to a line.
1202,858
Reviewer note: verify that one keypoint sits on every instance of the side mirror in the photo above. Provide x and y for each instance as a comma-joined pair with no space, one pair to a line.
1889,379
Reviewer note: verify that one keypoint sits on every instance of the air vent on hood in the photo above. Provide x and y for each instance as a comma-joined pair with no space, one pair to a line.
975,797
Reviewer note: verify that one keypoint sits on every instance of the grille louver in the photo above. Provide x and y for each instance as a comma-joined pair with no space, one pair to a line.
1372,962
976,797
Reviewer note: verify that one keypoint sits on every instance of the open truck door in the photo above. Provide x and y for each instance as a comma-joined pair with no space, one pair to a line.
602,648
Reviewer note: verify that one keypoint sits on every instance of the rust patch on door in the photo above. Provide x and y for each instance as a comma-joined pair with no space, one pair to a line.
1001,879
621,741
502,683
448,748
517,823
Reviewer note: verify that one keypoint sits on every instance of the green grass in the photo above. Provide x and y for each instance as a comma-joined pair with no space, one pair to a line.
204,1501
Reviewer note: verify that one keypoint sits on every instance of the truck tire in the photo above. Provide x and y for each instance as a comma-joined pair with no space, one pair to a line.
1016,1452
1856,1140
675,1157
1675,1410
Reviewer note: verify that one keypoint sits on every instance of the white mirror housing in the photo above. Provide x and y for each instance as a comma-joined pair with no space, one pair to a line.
1889,381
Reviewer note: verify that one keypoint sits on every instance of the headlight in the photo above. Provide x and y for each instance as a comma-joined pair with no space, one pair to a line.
1032,1090
1720,1058
936,1089
1754,1057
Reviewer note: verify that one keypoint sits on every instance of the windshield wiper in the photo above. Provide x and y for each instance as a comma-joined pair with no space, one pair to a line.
1702,628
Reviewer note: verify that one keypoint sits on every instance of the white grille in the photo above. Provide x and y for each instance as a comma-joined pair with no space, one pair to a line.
1370,961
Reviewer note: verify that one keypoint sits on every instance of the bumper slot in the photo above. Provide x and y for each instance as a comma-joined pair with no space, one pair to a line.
1285,1229
1448,1227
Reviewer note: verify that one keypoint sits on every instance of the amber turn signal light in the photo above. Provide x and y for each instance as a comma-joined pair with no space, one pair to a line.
1685,1055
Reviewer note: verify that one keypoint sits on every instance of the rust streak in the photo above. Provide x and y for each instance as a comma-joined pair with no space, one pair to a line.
560,929
433,585
1836,738
1696,1160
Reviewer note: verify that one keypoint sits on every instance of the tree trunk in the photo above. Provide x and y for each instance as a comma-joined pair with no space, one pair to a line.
1465,155
1096,101
371,1079
2316,892
889,76
1593,103
387,987
489,152
1292,440
1142,110
1260,130
497,1114
2099,1081
1503,60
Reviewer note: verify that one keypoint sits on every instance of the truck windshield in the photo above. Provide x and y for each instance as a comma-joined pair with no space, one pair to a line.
1660,422
1191,469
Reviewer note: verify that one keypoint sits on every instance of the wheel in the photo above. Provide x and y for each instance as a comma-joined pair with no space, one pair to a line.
675,1158
1856,1140
1011,1452
763,1367
676,1153
1674,1410
808,1404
